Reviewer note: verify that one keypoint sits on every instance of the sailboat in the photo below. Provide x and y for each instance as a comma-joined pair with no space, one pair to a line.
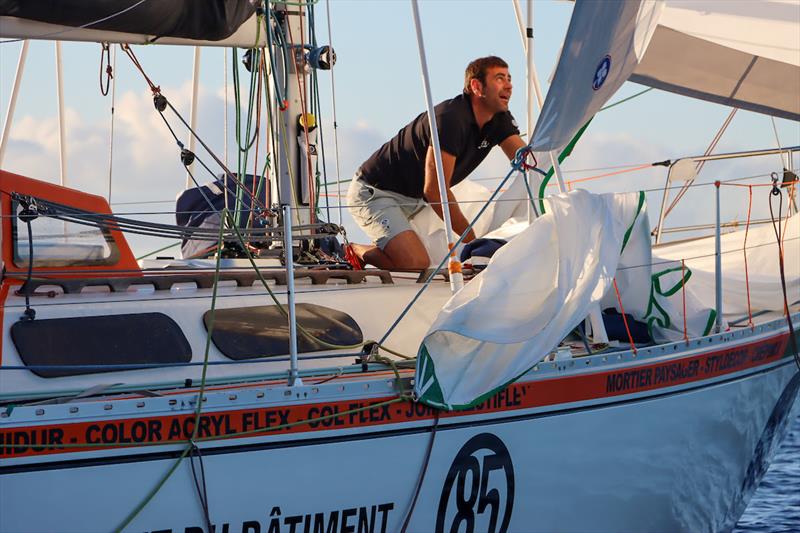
271,387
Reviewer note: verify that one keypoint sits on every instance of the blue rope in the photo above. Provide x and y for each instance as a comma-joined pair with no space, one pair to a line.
517,165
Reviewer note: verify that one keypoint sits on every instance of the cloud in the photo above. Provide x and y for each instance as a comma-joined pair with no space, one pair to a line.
147,165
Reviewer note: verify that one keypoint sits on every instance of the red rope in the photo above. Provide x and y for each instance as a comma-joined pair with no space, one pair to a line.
789,197
589,178
744,251
792,183
683,297
624,319
129,52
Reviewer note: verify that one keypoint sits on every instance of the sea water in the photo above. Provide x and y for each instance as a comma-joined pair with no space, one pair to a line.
775,506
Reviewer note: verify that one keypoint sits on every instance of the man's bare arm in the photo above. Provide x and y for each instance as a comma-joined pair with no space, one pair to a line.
511,144
431,192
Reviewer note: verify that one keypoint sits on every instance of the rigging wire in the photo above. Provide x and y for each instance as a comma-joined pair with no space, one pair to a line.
421,478
225,110
200,484
516,166
699,166
316,110
335,123
778,141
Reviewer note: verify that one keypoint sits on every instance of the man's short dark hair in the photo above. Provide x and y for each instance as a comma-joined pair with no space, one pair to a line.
478,68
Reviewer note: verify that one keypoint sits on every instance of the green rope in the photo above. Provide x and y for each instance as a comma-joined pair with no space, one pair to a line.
145,256
631,97
243,152
150,495
567,151
288,3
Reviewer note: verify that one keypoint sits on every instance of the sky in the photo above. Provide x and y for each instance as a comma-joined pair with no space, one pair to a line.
378,90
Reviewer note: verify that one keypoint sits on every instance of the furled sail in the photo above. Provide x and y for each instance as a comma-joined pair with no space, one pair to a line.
740,54
223,22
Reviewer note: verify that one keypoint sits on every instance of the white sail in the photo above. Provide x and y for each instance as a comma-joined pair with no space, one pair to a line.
741,54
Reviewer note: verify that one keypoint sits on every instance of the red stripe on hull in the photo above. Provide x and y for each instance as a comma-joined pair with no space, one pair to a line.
252,422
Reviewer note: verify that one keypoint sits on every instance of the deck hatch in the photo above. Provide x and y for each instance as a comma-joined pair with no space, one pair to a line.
263,331
132,339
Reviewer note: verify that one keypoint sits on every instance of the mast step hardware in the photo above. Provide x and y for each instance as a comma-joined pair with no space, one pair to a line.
203,280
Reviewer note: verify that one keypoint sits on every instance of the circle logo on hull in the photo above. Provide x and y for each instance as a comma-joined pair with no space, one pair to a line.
478,492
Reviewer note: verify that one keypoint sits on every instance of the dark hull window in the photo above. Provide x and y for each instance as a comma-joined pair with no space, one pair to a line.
136,339
251,332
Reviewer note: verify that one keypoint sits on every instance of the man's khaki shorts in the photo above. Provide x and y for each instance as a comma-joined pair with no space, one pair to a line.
381,214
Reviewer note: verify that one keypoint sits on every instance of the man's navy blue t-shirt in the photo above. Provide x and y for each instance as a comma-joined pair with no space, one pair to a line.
399,165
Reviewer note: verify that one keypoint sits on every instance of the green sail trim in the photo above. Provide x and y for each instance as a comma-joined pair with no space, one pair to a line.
633,222
565,153
432,393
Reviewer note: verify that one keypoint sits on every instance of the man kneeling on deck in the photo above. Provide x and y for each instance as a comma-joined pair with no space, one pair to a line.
396,182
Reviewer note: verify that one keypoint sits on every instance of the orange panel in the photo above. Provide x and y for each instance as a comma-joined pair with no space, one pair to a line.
10,183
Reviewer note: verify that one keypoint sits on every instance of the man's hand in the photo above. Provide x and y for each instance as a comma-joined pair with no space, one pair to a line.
431,192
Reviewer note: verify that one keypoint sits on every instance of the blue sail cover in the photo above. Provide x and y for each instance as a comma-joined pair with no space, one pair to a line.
199,207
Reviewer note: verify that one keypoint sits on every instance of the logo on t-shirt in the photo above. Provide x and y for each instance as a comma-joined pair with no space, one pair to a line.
484,144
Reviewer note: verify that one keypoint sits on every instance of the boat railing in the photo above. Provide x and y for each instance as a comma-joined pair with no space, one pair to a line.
685,170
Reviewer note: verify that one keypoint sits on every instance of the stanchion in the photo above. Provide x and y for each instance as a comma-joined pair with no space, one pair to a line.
718,263
294,377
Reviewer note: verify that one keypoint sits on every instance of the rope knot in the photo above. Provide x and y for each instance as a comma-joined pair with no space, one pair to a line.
520,161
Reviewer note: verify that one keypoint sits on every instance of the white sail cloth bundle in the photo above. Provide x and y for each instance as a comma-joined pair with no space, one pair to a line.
534,291
763,274
471,196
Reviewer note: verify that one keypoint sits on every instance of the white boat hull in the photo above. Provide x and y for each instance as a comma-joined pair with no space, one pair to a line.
685,455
